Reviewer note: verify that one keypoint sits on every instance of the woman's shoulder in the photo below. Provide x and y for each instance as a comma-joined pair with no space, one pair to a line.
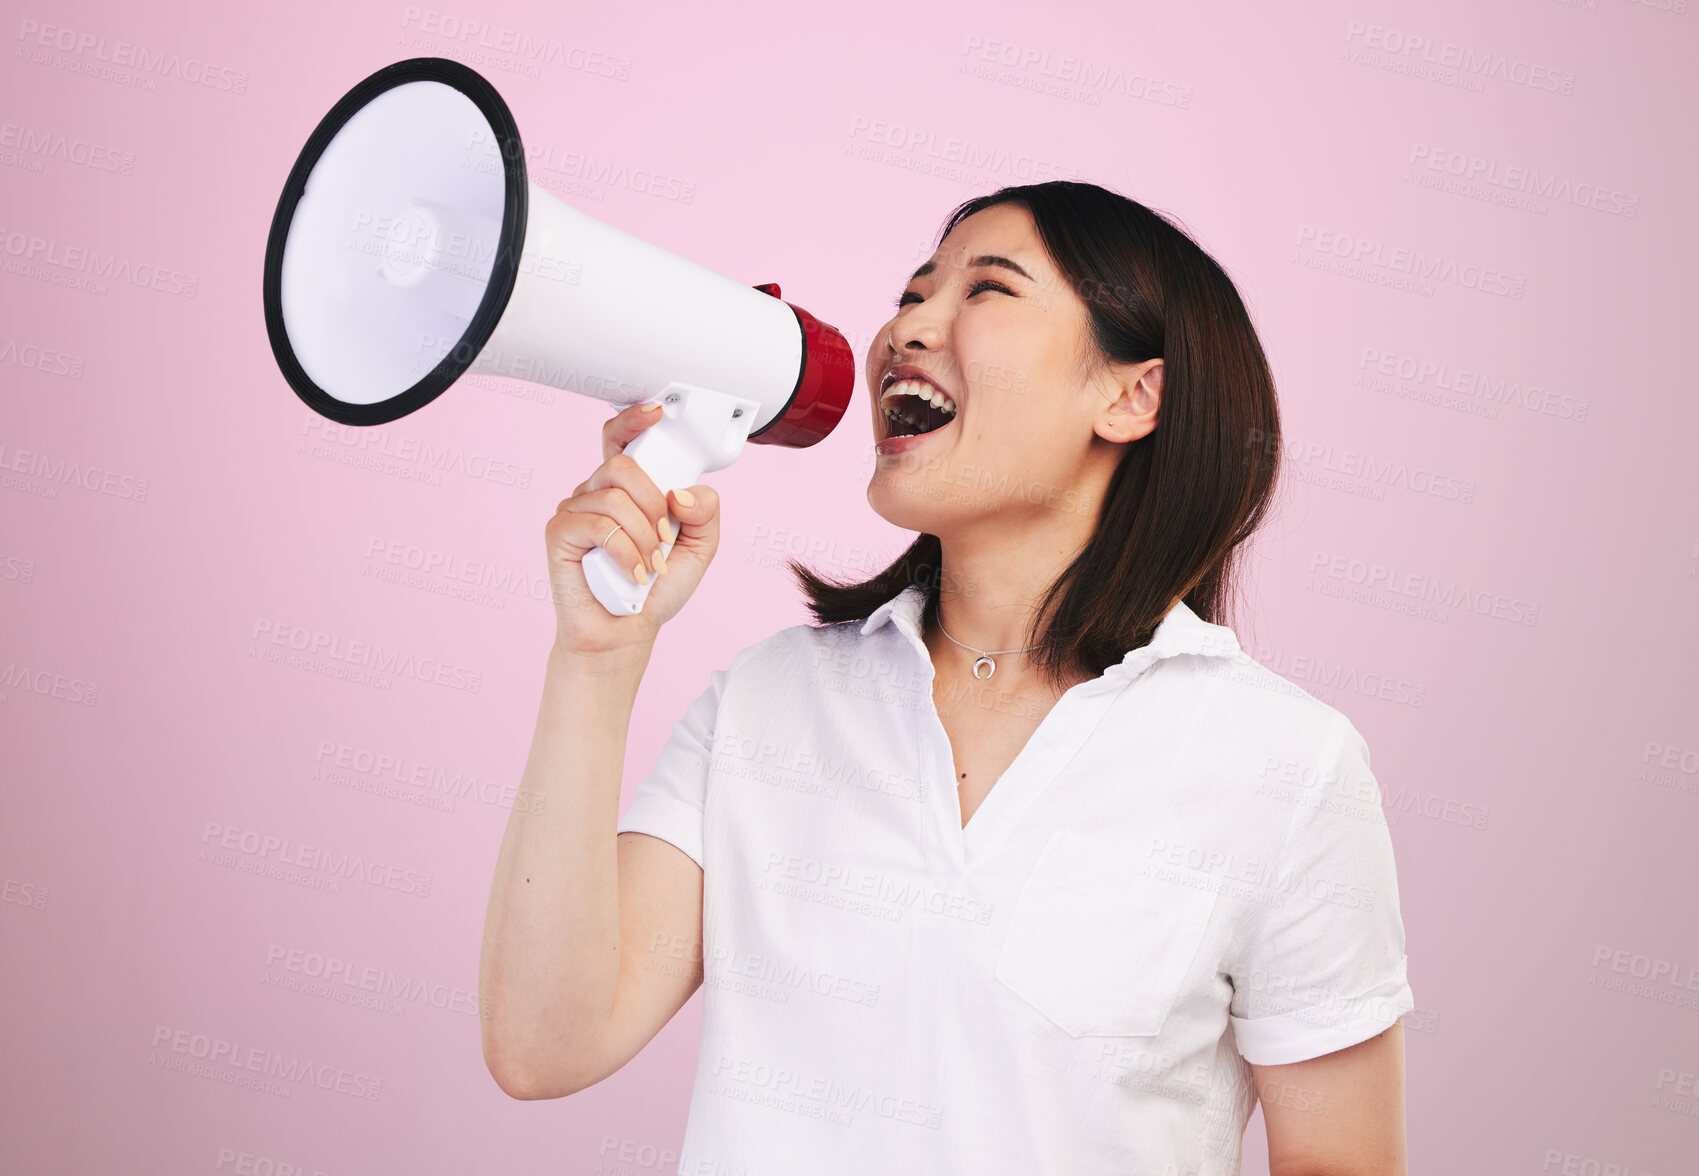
796,648
829,665
1249,697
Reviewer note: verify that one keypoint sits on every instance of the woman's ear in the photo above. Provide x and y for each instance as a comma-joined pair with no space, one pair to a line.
1153,378
1138,400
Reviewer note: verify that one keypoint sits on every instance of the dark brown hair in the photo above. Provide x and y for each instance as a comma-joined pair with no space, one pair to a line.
1185,496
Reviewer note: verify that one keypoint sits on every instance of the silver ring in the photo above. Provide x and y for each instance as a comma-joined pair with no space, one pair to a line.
617,526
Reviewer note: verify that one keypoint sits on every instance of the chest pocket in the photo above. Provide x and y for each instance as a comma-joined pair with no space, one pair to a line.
1098,946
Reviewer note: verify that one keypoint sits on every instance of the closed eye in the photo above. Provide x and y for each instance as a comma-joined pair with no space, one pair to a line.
978,287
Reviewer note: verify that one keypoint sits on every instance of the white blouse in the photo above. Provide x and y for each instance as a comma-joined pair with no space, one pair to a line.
1185,869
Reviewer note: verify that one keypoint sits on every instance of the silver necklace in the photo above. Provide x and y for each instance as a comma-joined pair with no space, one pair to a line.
984,655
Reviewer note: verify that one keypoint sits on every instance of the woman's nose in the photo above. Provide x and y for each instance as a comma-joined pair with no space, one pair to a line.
915,329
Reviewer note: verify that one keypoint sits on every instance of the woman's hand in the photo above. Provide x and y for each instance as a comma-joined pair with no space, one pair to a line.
620,492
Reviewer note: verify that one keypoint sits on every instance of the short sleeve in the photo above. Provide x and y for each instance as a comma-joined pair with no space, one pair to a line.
669,800
1320,962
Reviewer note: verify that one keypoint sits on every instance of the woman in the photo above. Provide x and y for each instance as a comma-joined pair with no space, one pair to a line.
1014,863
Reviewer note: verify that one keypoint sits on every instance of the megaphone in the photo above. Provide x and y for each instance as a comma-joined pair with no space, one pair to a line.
409,248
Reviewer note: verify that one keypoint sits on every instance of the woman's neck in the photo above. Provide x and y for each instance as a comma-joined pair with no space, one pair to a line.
989,591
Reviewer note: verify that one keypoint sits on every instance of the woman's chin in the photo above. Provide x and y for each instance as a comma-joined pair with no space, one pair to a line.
911,501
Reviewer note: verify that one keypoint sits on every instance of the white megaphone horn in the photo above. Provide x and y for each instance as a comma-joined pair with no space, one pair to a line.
409,248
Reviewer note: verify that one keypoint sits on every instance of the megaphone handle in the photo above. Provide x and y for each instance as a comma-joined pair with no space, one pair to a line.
674,453
669,466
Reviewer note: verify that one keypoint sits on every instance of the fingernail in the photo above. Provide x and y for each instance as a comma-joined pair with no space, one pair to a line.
685,497
665,529
652,407
660,563
638,575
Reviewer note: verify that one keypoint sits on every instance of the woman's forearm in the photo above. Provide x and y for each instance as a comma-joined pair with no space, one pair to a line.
549,963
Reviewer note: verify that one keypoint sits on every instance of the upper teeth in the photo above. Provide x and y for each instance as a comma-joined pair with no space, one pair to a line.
930,393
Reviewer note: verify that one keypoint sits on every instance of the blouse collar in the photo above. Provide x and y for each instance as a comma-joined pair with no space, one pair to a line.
1180,631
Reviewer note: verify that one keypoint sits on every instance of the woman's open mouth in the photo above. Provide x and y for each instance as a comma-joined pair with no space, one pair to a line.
910,416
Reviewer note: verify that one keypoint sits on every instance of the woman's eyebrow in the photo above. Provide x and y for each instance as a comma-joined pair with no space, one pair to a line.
987,259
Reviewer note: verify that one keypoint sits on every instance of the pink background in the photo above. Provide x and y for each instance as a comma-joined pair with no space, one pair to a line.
1542,778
